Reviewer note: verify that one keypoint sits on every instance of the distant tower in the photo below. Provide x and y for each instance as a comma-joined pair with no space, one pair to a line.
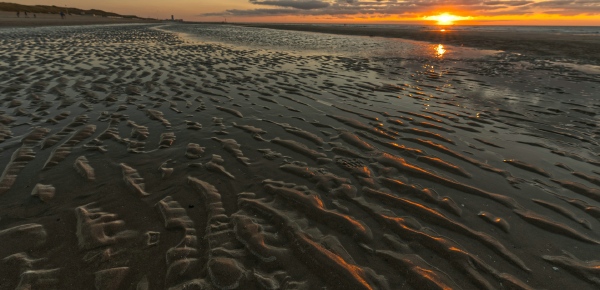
172,18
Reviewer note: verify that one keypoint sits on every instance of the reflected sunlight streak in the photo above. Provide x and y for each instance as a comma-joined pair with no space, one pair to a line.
440,50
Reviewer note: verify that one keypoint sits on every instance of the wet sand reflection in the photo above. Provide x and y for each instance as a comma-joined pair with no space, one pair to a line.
440,50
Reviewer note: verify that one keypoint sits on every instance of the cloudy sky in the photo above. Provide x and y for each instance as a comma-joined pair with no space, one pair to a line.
534,12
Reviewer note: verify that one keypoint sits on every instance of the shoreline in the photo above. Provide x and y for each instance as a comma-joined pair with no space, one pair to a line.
10,20
583,48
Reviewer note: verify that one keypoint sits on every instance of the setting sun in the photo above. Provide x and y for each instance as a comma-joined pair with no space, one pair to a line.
446,18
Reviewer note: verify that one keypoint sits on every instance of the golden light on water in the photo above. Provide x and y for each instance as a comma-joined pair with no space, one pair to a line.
440,50
446,18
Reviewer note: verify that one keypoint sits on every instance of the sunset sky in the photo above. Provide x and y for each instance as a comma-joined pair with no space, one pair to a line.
473,12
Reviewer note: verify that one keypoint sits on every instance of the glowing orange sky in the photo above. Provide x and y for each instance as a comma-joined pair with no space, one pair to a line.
479,12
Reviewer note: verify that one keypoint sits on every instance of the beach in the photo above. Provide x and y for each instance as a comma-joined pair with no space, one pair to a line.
204,156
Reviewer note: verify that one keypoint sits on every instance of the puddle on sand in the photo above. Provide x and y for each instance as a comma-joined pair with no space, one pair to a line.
318,43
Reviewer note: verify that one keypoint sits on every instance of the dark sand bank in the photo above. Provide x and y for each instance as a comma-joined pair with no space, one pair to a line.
10,19
585,48
134,157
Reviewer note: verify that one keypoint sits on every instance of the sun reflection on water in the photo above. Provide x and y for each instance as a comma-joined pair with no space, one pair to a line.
440,50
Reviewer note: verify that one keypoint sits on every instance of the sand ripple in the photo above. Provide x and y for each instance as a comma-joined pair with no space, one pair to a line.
136,158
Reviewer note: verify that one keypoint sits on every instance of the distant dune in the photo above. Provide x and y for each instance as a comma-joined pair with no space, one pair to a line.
53,9
42,15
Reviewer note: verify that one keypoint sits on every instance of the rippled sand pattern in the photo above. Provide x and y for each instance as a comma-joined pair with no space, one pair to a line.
134,158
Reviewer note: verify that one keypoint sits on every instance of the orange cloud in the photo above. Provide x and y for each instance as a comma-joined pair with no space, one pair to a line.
464,11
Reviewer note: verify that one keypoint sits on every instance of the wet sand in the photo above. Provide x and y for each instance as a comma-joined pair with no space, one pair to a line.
585,48
10,19
140,157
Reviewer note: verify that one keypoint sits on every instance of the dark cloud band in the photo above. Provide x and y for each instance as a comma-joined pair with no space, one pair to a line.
341,8
297,4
